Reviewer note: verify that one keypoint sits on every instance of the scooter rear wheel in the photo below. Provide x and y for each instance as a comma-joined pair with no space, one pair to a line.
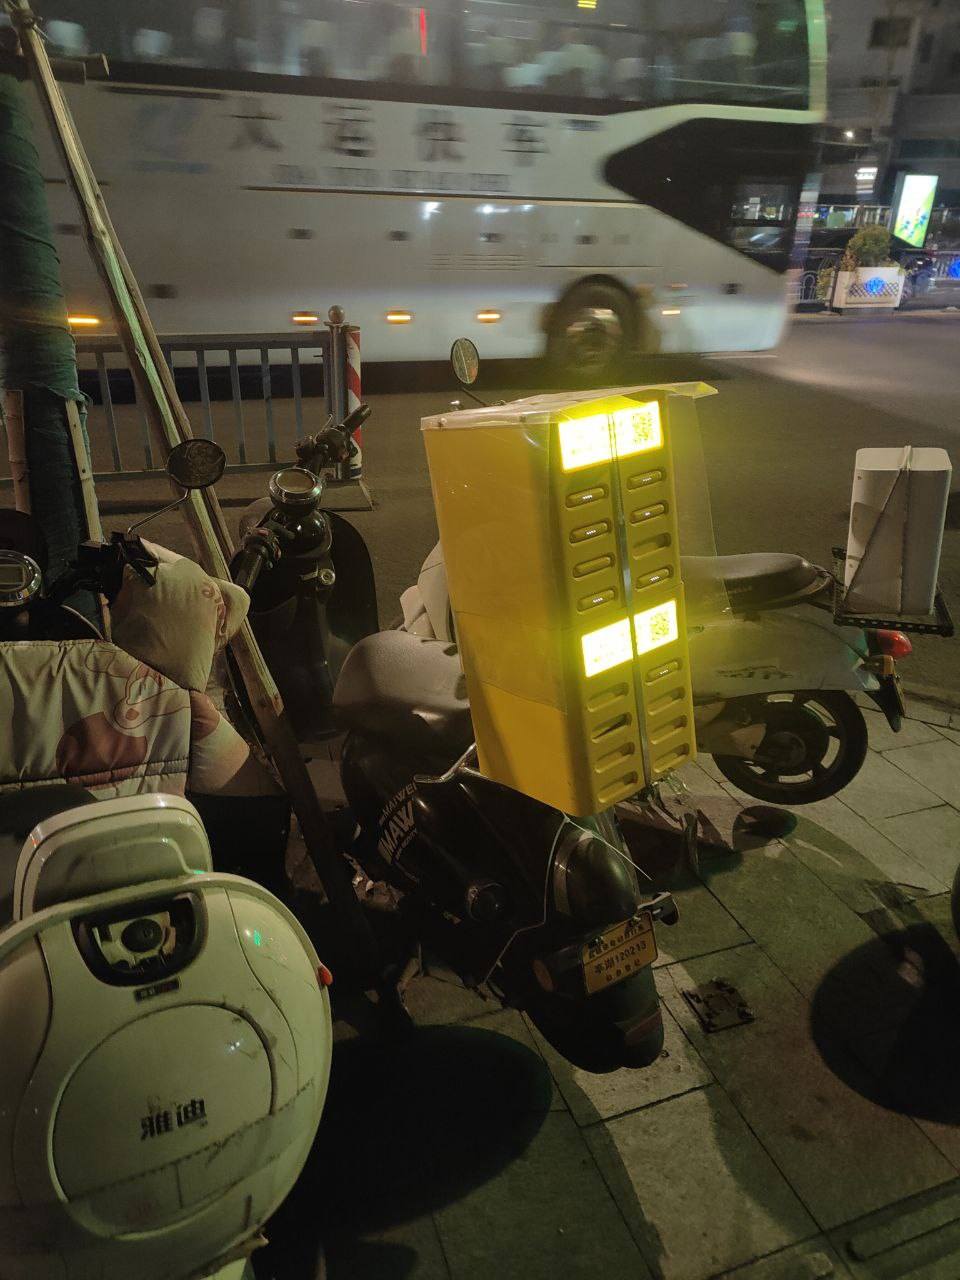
815,743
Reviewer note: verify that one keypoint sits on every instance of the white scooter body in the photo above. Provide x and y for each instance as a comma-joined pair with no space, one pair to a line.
733,656
738,659
781,650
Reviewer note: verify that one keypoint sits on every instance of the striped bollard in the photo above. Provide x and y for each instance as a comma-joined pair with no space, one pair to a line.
352,369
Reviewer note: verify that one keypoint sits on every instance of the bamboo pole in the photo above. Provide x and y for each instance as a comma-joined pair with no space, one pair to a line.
91,512
11,411
170,426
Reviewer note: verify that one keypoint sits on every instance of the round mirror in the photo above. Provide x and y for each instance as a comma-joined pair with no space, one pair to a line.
465,359
196,464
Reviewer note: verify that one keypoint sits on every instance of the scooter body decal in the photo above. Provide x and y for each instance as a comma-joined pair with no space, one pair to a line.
396,824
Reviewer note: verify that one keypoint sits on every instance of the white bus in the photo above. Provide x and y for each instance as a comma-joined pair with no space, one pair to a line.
586,176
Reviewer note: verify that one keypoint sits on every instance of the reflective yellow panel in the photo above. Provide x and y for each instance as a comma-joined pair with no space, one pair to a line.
584,442
606,648
637,430
656,626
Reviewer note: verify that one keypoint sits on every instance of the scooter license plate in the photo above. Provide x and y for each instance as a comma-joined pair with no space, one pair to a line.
618,952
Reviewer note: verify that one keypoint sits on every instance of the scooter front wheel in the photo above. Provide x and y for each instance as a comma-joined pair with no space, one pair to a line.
815,742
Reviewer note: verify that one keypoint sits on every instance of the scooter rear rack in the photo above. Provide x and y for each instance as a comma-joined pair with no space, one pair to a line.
938,623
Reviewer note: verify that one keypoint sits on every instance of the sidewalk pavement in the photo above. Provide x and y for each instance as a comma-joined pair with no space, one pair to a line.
821,1140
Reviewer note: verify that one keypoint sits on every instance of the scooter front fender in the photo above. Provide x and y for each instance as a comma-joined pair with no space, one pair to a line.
783,650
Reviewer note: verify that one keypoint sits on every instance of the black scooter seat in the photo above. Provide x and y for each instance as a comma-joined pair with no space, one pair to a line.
20,811
408,689
761,580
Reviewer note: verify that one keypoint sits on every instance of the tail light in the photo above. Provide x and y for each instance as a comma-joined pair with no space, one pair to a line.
893,643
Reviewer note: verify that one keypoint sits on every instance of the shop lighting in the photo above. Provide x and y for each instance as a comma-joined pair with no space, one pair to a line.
656,627
83,322
305,317
606,648
670,311
586,4
399,317
488,316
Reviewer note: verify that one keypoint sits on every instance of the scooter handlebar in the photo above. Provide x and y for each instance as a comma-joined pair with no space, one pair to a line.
260,550
353,421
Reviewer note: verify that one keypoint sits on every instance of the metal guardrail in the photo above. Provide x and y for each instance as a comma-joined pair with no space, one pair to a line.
267,346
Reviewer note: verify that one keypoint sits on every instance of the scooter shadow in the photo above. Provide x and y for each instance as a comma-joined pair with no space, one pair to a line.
885,1019
409,1126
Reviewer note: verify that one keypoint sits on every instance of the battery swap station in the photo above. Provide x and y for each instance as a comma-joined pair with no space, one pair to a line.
558,521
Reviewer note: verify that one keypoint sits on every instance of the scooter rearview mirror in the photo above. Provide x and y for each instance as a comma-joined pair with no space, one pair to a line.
191,464
465,359
196,464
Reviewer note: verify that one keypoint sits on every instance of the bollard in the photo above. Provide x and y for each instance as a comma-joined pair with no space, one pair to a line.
345,382
352,375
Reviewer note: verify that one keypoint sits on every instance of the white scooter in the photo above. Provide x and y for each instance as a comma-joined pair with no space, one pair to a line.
166,1044
774,676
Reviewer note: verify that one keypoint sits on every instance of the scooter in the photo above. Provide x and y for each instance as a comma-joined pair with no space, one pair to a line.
774,676
545,912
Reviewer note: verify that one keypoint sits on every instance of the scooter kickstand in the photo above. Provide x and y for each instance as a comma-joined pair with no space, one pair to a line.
392,1008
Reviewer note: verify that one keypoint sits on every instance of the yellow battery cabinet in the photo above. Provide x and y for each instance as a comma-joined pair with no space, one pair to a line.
558,522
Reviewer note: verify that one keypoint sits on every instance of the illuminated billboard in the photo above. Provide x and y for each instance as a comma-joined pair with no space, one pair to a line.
912,207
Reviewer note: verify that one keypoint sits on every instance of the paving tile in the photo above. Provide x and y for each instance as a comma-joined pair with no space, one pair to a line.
511,1023
798,920
411,1251
953,734
935,764
881,790
842,1154
814,1260
918,1239
440,998
849,854
592,1098
882,738
699,779
697,1189
548,1214
932,838
927,712
704,926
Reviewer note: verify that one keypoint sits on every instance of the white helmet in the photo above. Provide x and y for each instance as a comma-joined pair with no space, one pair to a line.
165,1044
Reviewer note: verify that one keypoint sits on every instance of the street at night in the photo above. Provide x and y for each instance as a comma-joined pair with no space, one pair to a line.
479,683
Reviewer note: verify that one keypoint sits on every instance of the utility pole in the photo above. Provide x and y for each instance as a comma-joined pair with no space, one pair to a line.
37,355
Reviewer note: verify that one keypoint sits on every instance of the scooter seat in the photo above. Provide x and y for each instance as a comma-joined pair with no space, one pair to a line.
20,811
761,580
407,688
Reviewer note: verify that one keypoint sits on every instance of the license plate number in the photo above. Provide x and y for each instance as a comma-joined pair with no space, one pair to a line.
618,952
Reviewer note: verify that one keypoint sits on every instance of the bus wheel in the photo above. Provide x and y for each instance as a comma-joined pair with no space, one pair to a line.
592,333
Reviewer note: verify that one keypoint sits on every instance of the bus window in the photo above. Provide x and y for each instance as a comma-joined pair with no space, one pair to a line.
727,50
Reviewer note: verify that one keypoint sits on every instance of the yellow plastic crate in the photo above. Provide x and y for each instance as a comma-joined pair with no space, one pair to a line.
558,520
